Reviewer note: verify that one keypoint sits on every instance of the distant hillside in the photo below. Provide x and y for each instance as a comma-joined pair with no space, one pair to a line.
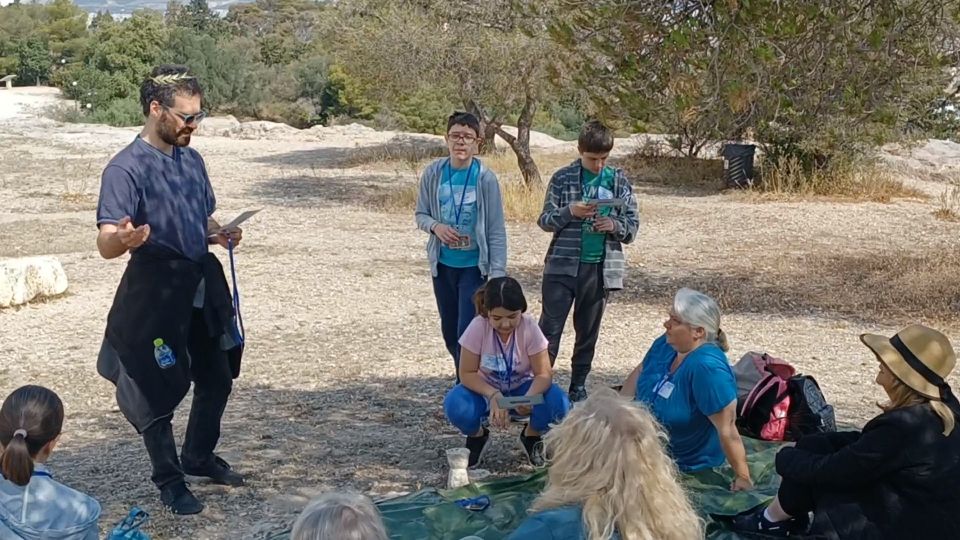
124,8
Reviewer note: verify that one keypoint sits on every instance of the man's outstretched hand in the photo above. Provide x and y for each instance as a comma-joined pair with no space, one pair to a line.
114,240
132,237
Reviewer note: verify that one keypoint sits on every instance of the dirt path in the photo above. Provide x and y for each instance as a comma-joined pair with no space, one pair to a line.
345,368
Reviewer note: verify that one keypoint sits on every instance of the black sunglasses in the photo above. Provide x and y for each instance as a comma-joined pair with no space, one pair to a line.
188,118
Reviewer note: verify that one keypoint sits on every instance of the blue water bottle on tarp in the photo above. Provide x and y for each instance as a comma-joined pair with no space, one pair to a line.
163,354
129,527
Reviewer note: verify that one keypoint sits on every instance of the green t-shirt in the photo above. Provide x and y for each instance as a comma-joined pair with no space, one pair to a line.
595,187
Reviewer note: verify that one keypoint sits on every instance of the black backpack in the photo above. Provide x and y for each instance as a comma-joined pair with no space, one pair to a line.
809,411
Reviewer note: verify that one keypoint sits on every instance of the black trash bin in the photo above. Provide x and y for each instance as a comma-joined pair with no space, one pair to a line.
738,165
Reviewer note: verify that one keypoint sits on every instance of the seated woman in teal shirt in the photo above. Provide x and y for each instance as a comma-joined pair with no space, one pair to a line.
688,385
610,478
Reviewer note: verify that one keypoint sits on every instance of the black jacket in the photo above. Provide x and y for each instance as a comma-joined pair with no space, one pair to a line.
155,300
899,478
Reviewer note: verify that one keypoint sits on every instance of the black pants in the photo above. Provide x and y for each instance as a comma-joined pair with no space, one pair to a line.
212,382
797,498
588,297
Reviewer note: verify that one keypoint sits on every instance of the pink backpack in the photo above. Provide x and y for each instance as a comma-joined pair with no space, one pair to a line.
763,412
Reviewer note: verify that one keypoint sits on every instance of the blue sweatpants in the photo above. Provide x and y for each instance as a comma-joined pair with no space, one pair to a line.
467,409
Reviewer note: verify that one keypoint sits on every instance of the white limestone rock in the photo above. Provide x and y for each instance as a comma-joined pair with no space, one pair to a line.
26,279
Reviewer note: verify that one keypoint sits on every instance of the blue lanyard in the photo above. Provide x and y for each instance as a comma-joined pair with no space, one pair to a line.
507,358
458,208
236,292
42,473
666,378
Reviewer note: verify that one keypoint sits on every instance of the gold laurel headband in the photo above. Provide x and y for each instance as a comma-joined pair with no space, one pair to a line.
172,78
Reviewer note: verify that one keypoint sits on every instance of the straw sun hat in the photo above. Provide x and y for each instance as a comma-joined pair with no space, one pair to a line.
919,356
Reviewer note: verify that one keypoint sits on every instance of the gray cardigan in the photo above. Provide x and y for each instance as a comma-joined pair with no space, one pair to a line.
491,230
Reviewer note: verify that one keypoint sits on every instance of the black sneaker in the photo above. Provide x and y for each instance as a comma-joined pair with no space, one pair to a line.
533,446
179,500
217,470
477,447
577,393
756,522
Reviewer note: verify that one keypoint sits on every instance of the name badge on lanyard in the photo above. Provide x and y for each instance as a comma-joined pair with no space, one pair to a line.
664,388
506,376
463,242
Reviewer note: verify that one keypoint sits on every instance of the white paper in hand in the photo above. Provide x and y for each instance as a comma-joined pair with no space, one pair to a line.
240,219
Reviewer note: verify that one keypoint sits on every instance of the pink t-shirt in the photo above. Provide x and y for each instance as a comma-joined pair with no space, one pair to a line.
527,340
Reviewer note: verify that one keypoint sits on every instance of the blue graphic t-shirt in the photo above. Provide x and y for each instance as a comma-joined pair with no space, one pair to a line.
458,208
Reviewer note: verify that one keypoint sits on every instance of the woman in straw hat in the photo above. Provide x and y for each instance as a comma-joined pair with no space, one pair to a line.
610,477
899,477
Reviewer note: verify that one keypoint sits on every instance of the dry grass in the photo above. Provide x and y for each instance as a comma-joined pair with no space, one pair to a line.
397,154
649,164
949,204
786,180
894,285
78,176
891,285
504,163
520,201
847,181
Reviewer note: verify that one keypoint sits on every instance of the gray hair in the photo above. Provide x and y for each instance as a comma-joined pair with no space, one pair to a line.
339,516
700,311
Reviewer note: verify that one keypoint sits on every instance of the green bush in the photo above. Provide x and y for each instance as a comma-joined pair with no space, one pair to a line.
559,120
422,112
298,114
119,113
100,89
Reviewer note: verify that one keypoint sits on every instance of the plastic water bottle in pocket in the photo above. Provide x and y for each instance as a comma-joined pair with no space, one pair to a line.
163,354
129,527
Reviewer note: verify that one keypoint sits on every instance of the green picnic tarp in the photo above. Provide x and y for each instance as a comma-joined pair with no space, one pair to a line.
434,514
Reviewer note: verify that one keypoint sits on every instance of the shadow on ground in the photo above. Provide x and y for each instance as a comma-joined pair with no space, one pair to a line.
378,435
885,288
312,191
402,149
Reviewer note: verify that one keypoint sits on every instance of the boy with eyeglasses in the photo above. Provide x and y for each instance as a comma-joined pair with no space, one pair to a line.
591,211
460,206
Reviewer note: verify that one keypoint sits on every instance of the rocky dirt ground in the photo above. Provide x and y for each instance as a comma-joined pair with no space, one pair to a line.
345,369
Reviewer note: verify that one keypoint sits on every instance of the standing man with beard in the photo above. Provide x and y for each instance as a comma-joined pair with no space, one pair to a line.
172,321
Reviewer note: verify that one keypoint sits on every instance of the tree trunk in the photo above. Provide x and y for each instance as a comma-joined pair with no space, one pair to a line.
488,127
521,143
489,144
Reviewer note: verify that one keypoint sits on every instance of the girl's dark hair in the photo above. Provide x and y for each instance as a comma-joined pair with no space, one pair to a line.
166,82
30,418
502,292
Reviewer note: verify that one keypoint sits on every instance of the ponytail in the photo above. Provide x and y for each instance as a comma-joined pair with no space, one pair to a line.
721,340
479,300
16,464
30,418
945,414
